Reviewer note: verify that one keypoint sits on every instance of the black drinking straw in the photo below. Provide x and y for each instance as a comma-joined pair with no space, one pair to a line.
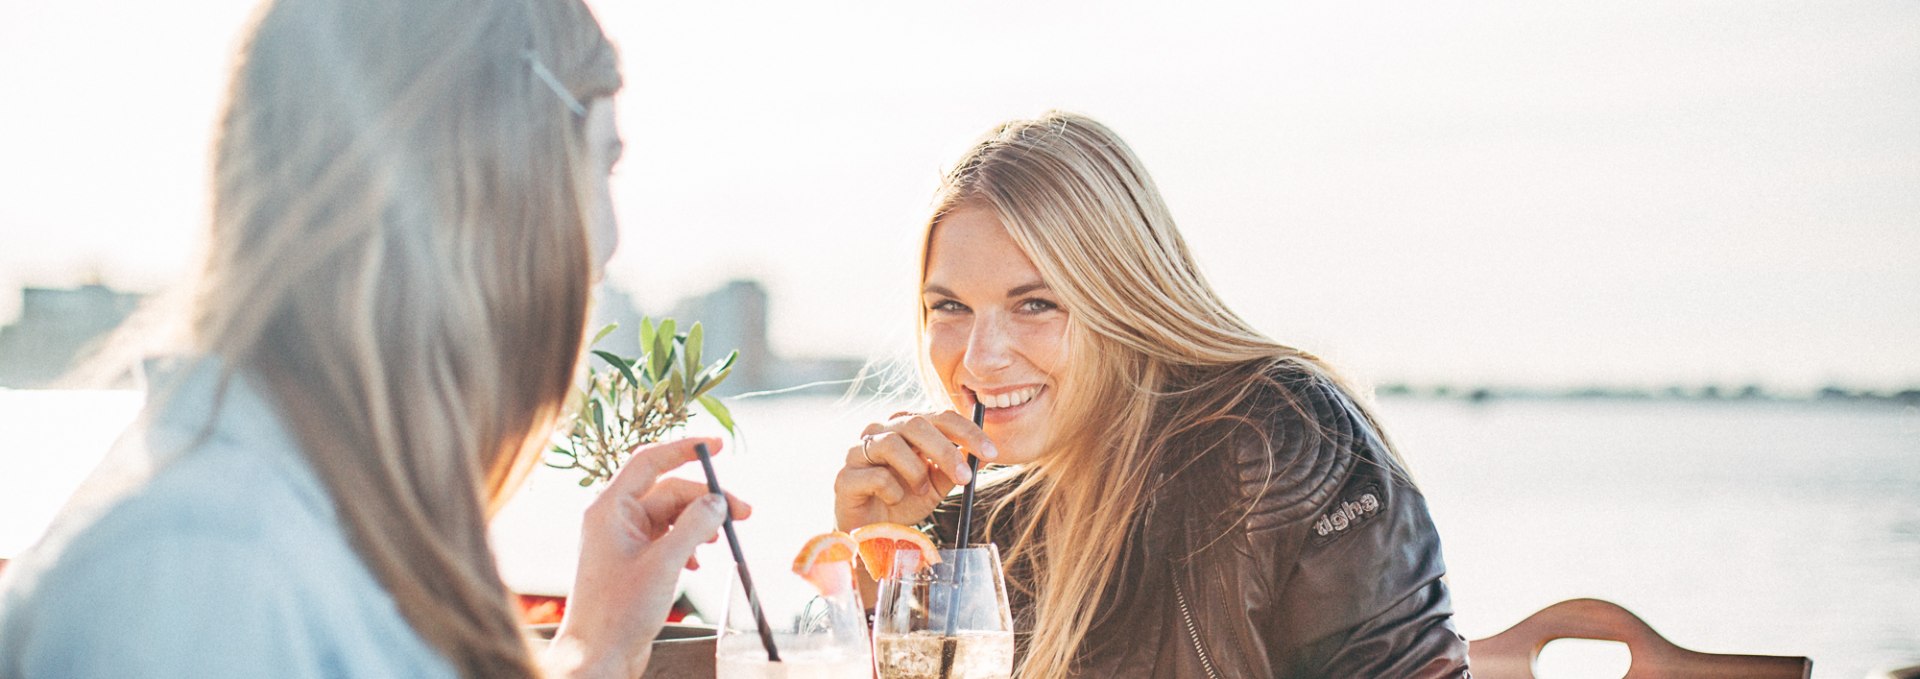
739,560
950,646
966,496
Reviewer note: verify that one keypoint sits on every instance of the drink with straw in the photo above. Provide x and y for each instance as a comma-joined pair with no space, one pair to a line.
944,615
813,612
793,634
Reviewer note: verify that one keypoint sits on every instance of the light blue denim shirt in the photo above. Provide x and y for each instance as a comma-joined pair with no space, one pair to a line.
204,546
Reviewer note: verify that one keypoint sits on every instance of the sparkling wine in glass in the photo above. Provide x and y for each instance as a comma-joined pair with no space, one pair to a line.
944,621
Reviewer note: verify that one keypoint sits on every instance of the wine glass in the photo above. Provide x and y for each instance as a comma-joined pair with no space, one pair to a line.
944,621
818,636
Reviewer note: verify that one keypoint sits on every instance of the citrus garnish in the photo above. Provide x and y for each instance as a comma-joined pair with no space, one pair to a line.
880,541
827,562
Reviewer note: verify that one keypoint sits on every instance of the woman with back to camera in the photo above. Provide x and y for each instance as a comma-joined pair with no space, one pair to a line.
1184,497
410,207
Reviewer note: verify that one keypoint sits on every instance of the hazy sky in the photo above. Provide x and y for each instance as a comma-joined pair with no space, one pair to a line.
1525,192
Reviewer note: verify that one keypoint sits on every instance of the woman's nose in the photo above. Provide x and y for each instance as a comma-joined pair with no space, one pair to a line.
989,346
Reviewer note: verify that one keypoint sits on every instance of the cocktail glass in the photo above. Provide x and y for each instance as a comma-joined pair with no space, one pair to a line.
944,621
817,636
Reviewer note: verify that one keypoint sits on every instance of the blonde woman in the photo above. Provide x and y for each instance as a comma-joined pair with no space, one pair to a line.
409,209
1182,496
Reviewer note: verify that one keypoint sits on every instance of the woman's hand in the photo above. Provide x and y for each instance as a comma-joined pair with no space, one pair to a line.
634,540
903,467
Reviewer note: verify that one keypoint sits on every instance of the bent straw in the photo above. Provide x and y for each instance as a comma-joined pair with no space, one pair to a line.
739,560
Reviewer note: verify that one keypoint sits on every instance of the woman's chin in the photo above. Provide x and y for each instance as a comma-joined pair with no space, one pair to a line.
1014,447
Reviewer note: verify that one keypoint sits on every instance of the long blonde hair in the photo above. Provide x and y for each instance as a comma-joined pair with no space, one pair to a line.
1144,327
399,253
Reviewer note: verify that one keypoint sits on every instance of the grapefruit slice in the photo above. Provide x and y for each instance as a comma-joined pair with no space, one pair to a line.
879,542
827,562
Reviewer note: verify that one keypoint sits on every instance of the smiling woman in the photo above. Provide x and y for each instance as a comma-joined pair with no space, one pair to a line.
1183,496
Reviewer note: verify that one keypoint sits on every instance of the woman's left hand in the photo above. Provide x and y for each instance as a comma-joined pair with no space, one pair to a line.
636,537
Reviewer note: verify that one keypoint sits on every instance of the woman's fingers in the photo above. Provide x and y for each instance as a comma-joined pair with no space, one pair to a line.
650,461
934,444
668,497
962,431
890,450
695,524
858,483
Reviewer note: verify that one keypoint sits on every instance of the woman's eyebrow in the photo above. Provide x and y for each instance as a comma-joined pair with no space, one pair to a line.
1035,286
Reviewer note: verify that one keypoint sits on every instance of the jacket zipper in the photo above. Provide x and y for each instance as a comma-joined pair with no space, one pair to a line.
1180,597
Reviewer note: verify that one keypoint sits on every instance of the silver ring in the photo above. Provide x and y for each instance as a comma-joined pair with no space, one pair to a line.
864,442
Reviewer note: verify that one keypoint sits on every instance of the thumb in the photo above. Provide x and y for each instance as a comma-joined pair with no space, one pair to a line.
697,524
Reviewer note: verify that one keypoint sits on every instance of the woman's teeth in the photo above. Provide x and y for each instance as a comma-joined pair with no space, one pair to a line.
1009,399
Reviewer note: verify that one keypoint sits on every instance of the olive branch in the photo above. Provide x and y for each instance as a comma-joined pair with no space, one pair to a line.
638,401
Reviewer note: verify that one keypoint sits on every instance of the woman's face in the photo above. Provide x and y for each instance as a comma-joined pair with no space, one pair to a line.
996,334
603,151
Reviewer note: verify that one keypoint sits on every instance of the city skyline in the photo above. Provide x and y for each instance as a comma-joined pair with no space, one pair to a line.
61,328
1639,193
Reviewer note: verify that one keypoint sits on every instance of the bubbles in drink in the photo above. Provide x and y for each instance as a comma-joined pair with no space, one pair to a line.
919,655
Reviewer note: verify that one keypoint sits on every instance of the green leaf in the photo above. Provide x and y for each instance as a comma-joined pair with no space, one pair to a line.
678,390
620,363
720,367
646,334
586,482
719,412
661,360
603,333
690,353
599,413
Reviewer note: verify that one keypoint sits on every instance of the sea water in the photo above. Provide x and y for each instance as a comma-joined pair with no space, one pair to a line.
1786,528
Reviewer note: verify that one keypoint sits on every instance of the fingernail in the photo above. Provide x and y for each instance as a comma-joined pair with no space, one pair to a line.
716,502
963,474
990,452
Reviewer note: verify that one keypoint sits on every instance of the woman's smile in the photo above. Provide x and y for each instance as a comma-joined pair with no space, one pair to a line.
1006,404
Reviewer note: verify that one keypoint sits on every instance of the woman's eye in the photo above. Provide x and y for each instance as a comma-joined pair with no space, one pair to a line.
1034,306
948,306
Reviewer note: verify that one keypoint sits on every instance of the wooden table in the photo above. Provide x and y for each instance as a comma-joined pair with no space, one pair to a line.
680,652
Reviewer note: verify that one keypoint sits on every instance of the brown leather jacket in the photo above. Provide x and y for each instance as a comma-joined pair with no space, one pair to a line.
1311,556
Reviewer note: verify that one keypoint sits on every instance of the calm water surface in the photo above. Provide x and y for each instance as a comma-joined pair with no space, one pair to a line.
1777,528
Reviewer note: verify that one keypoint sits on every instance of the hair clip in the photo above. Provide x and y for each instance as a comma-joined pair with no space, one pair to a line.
540,71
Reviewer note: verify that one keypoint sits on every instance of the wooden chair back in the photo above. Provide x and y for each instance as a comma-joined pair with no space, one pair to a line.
1511,654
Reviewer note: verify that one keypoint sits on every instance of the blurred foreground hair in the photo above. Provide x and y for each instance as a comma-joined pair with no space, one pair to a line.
399,254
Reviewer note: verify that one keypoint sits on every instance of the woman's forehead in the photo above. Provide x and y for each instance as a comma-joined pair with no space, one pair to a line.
971,249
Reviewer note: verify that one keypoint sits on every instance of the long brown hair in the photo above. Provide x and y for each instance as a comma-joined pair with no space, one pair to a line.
399,252
1154,355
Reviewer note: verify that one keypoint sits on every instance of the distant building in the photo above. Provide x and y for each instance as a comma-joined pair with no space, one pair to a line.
734,317
611,305
55,327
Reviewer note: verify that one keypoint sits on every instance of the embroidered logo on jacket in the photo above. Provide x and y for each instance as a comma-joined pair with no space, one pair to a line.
1348,513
